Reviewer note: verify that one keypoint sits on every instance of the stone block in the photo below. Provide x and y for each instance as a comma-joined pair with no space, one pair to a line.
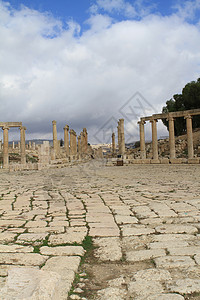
164,161
177,160
195,160
155,161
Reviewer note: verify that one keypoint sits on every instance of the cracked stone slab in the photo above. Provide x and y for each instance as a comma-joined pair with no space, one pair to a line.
140,255
113,293
129,231
108,249
174,262
24,259
7,237
144,288
165,297
72,235
168,244
15,248
103,232
31,237
185,286
121,219
153,275
63,250
191,250
171,228
30,284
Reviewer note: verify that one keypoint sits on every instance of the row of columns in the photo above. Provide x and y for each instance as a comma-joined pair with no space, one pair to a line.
171,138
72,147
6,144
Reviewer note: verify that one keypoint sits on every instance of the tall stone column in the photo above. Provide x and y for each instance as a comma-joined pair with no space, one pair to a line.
113,143
154,139
142,140
55,139
0,144
119,138
79,146
5,147
122,137
13,145
189,136
85,140
23,144
66,139
171,138
73,142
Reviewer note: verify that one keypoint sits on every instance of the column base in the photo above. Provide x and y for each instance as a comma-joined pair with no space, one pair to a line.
178,160
155,161
194,160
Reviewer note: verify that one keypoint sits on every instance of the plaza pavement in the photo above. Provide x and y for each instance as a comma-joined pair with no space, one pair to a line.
143,221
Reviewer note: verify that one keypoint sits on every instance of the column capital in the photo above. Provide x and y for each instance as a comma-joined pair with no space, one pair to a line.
72,132
66,127
141,122
188,117
170,118
22,128
6,127
54,122
153,120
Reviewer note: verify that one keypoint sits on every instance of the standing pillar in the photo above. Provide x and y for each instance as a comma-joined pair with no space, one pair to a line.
119,138
82,142
171,138
55,140
154,139
189,136
142,140
122,137
13,145
66,139
5,147
113,144
23,144
85,140
73,143
79,146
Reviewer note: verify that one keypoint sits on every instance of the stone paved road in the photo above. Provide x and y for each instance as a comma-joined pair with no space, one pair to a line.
143,221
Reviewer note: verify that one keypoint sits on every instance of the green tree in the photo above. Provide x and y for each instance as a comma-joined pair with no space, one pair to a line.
189,99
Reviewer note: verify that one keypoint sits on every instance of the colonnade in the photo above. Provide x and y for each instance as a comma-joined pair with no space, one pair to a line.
170,118
121,139
73,146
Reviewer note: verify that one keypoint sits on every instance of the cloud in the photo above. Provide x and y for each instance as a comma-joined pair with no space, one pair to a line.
187,10
49,71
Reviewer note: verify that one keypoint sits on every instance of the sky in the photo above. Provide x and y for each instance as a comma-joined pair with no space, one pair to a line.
88,63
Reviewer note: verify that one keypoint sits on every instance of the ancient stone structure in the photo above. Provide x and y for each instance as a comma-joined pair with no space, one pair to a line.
79,146
170,118
113,144
73,144
55,139
6,126
66,139
121,138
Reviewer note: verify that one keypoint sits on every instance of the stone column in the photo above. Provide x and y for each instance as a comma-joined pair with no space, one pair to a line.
66,139
189,137
82,142
55,140
85,140
113,144
154,139
73,143
5,147
33,146
23,144
79,146
13,145
119,138
171,138
19,146
0,144
29,145
122,137
142,140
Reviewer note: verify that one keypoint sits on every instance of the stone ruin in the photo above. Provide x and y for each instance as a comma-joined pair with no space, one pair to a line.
76,149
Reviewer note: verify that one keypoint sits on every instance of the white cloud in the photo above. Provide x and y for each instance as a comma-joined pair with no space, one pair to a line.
187,9
49,72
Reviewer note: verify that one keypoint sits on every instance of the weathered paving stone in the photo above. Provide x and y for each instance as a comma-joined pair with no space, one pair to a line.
31,237
108,249
125,220
129,231
113,293
165,297
140,255
185,286
153,275
12,223
15,248
47,230
144,288
36,224
192,250
174,262
63,251
32,284
24,259
7,237
170,228
103,232
168,244
72,235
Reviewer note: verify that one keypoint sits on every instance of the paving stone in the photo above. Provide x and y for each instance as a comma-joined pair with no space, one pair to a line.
173,237
165,297
108,249
129,231
153,275
120,219
197,259
168,244
7,237
72,235
36,224
185,286
12,223
24,259
47,230
15,248
103,232
29,283
174,262
144,288
31,237
144,254
176,229
111,293
192,250
63,250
